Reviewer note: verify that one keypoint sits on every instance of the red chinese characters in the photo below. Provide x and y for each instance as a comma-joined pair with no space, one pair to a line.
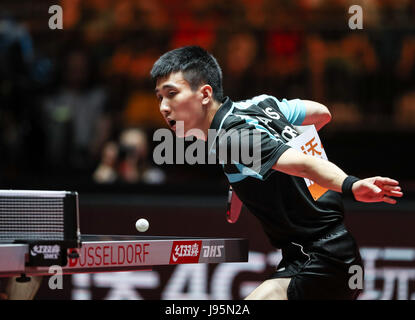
185,252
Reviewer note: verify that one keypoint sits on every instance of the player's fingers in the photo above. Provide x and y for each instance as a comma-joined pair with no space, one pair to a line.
389,200
392,190
393,193
386,180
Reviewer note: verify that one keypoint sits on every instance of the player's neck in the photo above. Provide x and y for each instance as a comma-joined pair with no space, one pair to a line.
203,129
212,109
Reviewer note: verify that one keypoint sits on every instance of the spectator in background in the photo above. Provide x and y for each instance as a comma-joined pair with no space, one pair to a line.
106,171
127,161
134,163
74,119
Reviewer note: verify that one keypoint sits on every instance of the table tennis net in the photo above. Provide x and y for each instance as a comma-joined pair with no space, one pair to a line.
37,215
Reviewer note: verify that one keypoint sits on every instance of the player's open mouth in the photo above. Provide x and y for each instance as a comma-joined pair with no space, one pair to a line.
172,123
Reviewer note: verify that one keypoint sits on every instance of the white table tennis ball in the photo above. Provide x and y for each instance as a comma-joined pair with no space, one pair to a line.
142,225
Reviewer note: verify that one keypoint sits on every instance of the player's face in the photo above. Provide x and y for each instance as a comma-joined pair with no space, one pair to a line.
178,102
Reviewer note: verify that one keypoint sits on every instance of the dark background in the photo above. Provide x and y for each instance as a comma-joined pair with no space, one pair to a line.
78,111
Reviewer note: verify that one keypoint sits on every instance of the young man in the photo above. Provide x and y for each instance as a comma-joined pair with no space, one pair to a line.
317,249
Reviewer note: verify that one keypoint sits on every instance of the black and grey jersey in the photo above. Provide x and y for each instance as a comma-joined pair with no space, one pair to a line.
251,135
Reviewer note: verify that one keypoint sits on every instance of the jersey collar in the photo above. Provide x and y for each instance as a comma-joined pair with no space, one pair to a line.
220,114
218,119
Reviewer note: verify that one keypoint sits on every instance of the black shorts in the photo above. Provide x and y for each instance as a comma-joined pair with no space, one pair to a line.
320,269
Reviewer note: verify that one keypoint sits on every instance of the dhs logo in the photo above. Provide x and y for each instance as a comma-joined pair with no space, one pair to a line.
213,251
185,252
49,252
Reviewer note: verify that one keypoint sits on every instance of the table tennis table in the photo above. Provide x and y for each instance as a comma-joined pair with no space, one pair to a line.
113,253
40,235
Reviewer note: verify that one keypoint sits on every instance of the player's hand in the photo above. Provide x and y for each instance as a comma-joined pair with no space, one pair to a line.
377,189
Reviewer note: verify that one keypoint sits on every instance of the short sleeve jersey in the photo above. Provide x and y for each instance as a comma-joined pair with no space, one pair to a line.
259,129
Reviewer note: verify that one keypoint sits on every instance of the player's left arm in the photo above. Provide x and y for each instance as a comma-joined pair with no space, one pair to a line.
330,176
305,112
316,113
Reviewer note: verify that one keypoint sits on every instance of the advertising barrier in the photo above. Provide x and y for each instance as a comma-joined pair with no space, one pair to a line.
384,234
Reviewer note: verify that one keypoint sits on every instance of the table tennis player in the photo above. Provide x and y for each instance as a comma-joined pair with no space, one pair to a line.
317,249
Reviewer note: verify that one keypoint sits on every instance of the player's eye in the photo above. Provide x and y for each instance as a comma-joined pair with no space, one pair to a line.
172,93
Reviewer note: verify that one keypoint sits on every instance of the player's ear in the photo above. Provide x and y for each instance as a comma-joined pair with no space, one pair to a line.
206,92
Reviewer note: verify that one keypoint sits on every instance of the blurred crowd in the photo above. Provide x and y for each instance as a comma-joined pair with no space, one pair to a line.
80,100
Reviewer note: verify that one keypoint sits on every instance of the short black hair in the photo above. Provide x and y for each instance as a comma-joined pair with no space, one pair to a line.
198,66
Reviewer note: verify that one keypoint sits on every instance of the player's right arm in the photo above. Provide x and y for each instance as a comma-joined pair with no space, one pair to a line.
330,176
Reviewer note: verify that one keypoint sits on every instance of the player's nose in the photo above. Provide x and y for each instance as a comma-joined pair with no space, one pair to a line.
164,109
